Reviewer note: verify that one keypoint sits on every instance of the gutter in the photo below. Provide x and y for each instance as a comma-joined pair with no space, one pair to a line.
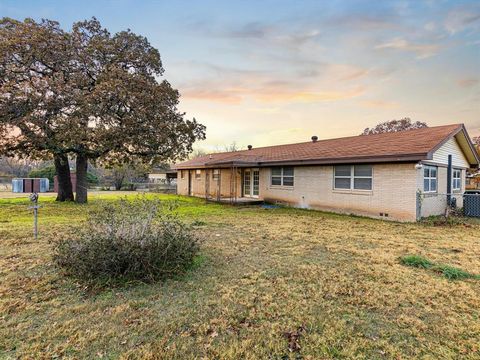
329,161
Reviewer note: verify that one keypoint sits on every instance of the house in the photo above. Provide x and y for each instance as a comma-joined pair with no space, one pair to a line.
400,176
162,176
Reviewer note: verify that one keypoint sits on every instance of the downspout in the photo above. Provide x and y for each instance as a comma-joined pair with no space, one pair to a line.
449,180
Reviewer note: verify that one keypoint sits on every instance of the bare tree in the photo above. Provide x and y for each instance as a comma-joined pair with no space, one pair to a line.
17,167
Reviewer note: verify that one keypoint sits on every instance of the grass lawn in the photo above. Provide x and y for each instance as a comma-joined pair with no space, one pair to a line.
273,283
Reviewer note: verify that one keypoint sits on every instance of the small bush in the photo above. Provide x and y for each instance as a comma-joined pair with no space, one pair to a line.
443,221
128,240
416,261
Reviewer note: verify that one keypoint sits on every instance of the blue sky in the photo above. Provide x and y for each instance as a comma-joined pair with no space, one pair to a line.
267,72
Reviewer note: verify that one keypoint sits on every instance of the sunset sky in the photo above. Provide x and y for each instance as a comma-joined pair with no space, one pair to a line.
271,72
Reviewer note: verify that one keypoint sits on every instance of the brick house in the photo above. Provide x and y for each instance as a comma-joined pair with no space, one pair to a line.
373,175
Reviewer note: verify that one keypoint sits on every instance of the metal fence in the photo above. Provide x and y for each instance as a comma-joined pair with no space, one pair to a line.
434,204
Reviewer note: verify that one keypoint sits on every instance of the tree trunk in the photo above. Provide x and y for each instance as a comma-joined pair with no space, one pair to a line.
118,180
62,168
81,188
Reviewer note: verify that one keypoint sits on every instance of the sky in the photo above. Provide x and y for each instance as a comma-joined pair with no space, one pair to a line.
275,72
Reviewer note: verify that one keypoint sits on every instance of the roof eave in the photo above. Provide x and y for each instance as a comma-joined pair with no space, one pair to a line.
356,159
329,161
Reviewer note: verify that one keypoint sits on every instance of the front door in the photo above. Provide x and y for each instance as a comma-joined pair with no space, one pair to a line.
251,182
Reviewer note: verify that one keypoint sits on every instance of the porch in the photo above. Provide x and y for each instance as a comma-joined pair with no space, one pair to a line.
233,185
237,201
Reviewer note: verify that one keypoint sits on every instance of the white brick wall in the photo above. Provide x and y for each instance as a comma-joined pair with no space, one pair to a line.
394,191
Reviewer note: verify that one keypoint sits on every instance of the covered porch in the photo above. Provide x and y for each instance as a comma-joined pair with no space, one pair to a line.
233,183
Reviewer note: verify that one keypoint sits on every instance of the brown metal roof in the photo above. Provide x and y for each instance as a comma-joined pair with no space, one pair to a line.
410,145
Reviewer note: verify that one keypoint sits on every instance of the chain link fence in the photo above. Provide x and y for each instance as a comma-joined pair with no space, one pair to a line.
434,204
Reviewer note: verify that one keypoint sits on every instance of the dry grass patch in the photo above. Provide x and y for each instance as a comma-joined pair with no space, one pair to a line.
279,283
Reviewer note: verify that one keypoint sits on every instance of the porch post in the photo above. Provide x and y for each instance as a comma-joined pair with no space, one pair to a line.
449,180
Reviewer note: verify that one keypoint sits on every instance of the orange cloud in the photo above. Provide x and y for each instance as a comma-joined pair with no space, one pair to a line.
308,96
468,82
224,96
378,104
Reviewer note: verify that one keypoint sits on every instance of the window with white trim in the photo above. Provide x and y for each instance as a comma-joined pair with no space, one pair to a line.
282,176
353,177
198,174
429,179
457,180
216,174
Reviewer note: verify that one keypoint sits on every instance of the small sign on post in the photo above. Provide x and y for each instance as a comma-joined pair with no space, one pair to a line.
35,207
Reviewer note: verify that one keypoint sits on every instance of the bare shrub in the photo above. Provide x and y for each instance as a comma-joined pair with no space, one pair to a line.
138,239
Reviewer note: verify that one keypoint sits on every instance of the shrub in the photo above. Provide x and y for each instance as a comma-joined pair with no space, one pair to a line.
46,172
136,239
416,261
454,219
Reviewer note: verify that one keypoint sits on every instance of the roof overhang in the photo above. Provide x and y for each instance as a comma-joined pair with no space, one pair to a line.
305,162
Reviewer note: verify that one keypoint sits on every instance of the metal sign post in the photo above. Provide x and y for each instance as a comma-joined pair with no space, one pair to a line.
35,207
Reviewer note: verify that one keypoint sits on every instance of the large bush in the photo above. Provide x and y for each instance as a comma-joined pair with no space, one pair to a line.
136,239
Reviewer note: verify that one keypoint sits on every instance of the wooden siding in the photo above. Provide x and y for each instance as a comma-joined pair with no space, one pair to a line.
451,147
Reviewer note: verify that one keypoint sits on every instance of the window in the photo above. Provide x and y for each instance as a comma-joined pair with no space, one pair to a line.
216,174
182,175
457,179
353,177
430,179
282,176
343,177
198,173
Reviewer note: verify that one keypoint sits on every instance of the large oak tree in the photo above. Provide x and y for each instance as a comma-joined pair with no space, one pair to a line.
394,126
89,94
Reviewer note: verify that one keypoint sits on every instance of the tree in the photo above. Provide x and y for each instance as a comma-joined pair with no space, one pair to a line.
394,126
198,153
90,94
119,175
33,94
16,167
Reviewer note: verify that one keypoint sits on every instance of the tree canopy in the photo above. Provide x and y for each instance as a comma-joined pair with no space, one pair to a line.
394,126
88,93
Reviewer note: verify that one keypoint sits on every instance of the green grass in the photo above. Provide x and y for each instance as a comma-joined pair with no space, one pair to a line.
416,261
279,283
447,271
454,273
